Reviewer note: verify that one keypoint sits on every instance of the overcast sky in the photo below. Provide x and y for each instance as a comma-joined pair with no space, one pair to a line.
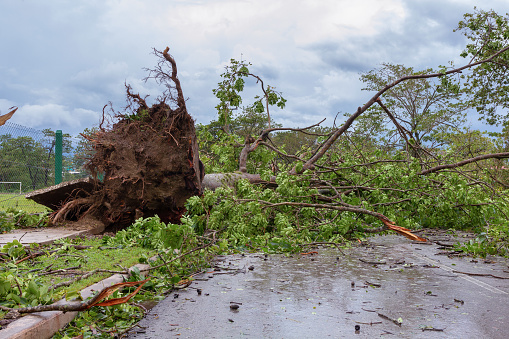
62,61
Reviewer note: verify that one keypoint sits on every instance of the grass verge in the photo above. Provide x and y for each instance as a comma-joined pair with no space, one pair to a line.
52,265
27,279
19,202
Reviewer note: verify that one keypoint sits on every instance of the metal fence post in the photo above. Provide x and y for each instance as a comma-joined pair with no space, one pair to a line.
58,157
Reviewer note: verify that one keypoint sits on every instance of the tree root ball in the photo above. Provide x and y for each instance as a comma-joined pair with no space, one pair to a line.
147,164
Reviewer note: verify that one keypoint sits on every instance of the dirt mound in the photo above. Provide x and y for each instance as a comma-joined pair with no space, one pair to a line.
147,163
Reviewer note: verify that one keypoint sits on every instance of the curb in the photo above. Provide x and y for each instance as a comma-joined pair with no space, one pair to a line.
49,235
43,325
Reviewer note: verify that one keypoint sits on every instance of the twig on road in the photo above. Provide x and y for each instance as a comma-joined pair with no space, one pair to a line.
481,274
396,321
372,262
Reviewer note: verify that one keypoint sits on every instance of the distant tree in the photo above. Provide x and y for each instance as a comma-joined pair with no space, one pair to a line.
250,122
83,149
25,160
296,142
487,85
423,107
32,161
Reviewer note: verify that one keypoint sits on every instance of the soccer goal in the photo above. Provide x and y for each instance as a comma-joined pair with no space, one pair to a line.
10,187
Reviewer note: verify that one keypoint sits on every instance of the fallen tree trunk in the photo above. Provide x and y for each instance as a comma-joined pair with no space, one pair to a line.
148,163
216,180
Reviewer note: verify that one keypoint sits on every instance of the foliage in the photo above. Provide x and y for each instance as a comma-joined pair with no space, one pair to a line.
488,84
151,233
467,143
84,149
296,142
103,322
244,220
18,289
220,151
12,219
30,282
398,191
221,141
424,107
26,160
30,159
229,90
169,241
494,241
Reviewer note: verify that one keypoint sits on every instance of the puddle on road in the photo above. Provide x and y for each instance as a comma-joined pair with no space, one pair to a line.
328,295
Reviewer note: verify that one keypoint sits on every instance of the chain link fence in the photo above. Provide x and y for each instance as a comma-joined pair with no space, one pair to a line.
27,163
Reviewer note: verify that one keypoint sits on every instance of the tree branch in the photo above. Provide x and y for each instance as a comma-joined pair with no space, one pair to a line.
251,145
180,99
325,147
503,155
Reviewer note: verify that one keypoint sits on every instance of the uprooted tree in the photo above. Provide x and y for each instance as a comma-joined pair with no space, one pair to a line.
338,181
147,162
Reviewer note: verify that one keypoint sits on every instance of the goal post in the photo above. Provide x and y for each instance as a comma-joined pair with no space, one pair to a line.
2,189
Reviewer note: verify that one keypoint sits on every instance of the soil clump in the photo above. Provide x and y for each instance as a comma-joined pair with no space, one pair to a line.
145,164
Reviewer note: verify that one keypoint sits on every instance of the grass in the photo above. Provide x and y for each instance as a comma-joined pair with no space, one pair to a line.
97,256
19,202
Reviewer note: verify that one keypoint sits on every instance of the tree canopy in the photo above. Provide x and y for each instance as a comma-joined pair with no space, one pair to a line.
487,85
423,107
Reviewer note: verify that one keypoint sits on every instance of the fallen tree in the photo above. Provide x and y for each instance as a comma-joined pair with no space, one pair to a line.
147,163
344,183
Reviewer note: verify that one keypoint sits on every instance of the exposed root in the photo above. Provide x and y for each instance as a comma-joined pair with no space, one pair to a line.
74,207
147,162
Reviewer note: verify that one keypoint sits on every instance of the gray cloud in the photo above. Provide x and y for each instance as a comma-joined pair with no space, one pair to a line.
61,61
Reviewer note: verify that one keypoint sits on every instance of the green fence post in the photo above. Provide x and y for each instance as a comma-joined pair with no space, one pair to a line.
58,157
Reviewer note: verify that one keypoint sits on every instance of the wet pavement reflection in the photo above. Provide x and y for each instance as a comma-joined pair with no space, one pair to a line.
390,287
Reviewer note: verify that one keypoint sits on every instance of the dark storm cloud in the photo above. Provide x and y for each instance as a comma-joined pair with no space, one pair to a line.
61,61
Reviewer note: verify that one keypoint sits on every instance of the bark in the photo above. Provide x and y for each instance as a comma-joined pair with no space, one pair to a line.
216,180
503,155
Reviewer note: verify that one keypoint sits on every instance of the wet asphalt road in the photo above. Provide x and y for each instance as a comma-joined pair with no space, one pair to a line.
326,295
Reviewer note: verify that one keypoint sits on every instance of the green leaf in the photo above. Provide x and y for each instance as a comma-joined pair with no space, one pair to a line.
244,70
299,166
175,279
14,297
33,288
239,85
71,295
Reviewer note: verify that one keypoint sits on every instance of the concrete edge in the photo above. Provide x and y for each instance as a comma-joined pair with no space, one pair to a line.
92,231
43,325
74,234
